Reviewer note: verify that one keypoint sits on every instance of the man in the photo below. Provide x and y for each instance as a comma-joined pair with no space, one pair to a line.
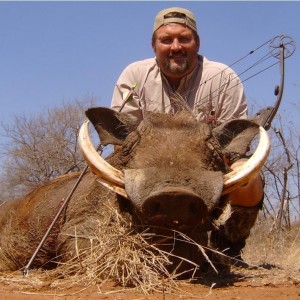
211,89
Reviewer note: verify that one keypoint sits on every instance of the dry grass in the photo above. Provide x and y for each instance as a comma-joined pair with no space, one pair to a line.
280,248
129,261
115,255
276,252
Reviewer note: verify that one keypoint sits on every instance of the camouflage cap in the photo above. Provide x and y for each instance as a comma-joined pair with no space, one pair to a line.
183,16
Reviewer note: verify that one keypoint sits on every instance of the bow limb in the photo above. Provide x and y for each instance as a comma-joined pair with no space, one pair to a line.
286,48
278,91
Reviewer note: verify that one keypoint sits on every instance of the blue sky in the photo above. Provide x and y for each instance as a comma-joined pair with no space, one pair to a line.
51,52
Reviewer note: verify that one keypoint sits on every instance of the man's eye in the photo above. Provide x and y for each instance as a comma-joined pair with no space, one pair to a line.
184,40
166,41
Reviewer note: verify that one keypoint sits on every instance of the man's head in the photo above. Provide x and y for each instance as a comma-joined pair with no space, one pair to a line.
175,42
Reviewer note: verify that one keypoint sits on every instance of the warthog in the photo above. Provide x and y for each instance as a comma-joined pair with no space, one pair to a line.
169,174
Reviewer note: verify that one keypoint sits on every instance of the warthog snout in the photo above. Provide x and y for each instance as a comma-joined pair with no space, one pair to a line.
174,207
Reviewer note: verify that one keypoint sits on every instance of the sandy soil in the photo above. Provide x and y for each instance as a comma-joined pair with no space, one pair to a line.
240,284
240,291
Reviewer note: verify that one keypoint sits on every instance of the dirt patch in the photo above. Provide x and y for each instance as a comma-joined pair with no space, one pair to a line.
241,290
262,283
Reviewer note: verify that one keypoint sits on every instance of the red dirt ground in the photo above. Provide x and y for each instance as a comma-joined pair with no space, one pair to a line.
248,285
241,290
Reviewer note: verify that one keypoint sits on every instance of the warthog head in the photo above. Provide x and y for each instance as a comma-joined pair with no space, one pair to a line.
171,168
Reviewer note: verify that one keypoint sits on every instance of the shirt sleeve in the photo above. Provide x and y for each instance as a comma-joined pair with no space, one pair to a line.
127,83
231,102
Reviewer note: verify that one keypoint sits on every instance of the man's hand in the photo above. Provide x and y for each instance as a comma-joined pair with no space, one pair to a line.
249,194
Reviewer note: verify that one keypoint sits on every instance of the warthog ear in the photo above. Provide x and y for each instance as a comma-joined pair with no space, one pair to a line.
111,126
235,137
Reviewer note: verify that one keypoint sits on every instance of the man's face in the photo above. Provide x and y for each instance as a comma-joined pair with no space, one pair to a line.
176,48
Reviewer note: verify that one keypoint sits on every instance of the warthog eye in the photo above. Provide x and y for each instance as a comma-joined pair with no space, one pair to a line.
130,142
217,159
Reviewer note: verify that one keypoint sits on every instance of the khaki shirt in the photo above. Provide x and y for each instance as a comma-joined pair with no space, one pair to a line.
211,88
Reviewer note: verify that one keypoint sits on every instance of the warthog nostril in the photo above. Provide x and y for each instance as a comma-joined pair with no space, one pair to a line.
152,208
195,209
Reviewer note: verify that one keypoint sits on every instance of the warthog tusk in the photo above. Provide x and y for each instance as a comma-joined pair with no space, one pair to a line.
251,167
109,176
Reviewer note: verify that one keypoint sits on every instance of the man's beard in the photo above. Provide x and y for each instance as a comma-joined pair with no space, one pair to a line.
173,67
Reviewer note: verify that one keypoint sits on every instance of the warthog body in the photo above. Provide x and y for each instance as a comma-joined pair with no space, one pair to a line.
173,174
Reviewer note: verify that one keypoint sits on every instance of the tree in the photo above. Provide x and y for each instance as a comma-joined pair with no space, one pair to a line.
282,170
41,147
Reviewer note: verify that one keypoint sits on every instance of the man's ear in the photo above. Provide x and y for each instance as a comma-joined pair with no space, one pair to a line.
153,41
198,42
111,126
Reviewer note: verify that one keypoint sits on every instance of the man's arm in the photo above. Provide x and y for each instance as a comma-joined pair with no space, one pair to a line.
126,92
232,102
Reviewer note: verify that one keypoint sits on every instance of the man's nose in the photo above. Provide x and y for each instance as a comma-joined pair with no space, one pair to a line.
175,45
